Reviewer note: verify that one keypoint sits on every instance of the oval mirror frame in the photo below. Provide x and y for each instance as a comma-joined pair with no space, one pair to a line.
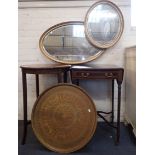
51,57
116,38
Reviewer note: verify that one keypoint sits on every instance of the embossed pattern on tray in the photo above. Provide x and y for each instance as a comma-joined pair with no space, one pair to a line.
64,118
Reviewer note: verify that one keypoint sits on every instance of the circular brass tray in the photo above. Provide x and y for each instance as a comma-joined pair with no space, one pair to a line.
64,118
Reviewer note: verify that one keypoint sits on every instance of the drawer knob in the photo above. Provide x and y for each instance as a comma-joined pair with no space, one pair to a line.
85,74
109,75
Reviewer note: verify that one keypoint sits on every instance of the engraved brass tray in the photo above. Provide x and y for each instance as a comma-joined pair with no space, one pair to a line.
64,118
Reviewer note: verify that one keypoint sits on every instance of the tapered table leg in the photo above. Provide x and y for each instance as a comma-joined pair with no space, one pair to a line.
118,113
24,107
37,85
65,77
112,116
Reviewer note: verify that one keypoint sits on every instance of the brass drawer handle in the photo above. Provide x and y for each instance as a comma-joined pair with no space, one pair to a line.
109,75
85,74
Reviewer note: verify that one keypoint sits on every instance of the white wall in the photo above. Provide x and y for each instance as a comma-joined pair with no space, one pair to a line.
36,17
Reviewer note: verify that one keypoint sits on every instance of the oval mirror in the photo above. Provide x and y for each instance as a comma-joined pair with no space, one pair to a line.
66,43
103,24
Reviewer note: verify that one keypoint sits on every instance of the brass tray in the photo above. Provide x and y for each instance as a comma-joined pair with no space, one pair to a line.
64,118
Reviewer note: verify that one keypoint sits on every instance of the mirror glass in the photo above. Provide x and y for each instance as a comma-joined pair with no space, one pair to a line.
104,24
66,43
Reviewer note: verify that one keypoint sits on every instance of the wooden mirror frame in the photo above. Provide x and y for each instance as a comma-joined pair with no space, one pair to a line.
116,37
43,50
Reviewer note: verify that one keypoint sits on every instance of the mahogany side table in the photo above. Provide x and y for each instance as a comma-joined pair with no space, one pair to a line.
60,70
84,72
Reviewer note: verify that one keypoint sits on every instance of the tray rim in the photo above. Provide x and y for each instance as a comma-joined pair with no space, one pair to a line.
46,145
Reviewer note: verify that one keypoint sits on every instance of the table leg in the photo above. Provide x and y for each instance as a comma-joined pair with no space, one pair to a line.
77,82
112,116
118,112
65,76
37,85
24,107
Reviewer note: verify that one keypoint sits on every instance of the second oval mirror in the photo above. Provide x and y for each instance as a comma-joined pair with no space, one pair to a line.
66,43
104,24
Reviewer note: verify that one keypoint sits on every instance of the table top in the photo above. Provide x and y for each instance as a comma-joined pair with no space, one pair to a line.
84,66
44,66
97,67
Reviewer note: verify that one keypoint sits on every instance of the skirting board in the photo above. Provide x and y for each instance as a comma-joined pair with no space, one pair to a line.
128,121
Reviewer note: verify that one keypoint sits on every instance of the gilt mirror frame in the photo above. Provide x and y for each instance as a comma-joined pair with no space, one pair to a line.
116,38
44,51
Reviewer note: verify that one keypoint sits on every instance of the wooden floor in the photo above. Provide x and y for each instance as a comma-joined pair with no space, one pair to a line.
102,143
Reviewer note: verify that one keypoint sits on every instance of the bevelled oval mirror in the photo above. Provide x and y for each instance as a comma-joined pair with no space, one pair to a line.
66,43
104,24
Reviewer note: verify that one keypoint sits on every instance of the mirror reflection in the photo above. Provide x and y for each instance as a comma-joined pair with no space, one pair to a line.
66,43
104,24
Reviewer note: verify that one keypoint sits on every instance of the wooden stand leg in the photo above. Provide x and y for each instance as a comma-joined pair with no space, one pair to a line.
24,107
37,85
118,113
77,82
112,116
65,77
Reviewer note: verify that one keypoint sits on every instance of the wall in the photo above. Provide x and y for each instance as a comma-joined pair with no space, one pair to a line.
36,17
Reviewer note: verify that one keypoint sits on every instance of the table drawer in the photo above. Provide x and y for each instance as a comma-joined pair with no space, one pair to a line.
91,74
